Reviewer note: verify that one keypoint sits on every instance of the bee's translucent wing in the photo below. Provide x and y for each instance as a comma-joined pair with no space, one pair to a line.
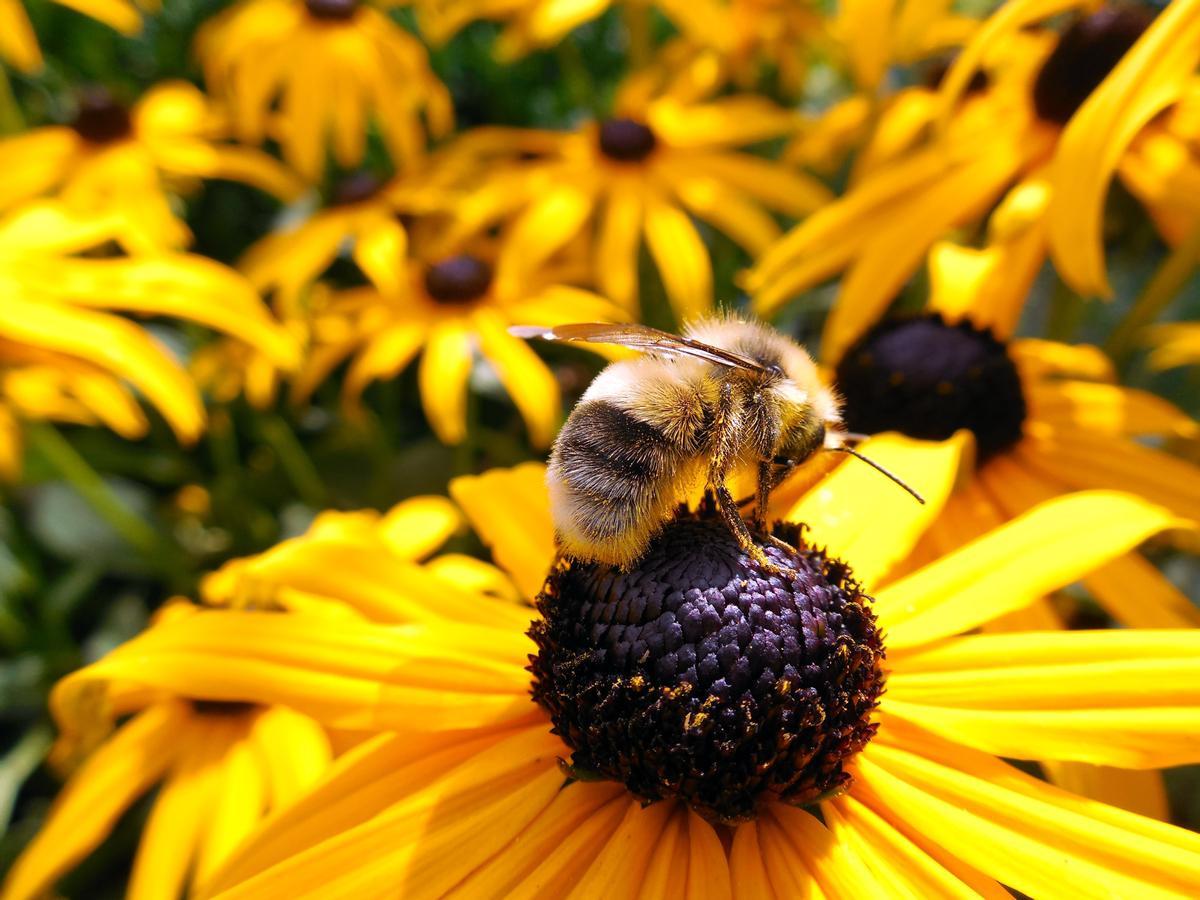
639,337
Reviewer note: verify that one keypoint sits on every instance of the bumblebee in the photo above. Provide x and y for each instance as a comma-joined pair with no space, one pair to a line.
726,396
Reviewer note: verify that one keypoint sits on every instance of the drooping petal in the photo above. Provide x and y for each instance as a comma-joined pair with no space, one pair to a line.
293,753
681,257
87,808
1047,548
1151,76
442,376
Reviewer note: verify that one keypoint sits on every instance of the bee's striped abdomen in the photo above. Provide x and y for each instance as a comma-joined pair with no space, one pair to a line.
611,476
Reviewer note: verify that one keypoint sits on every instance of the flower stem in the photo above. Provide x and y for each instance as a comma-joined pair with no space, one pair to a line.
18,764
295,461
88,483
1170,278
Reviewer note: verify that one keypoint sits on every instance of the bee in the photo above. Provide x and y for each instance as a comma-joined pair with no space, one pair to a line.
727,396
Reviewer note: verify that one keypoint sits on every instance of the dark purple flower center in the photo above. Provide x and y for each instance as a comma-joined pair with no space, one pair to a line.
100,119
332,10
458,280
927,379
626,140
697,675
1085,54
355,188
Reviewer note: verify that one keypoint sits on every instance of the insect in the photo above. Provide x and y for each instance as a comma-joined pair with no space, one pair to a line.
726,396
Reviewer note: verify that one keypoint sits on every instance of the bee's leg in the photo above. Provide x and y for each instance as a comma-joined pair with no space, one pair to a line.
737,526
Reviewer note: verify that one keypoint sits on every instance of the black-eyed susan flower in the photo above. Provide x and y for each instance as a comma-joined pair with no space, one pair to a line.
677,727
448,309
224,766
18,42
65,355
1048,418
219,769
638,176
129,160
999,147
309,72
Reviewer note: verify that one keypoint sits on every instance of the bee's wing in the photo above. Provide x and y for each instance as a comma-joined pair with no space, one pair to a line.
639,337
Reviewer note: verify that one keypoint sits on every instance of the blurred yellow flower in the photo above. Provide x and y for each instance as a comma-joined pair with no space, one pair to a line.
220,768
637,175
447,309
1048,418
1016,131
65,356
224,766
114,159
304,72
18,43
463,788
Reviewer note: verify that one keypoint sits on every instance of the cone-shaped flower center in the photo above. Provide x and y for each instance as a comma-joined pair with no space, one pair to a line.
1085,54
697,675
928,379
332,10
626,140
355,188
100,118
458,280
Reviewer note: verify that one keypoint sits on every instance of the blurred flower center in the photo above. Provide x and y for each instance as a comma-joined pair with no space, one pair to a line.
696,675
1085,54
459,279
927,379
626,140
100,119
332,10
355,188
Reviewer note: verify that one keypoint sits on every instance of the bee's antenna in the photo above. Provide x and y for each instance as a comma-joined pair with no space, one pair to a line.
878,468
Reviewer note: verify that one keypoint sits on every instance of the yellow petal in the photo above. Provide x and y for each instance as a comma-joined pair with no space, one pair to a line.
872,525
234,806
542,230
416,527
381,253
1177,345
617,245
510,510
1083,460
529,382
1060,695
1023,832
87,808
730,211
1150,77
422,845
180,812
1109,409
680,256
385,355
1038,552
18,43
294,753
618,870
906,868
113,344
118,14
442,376
1136,790
556,847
